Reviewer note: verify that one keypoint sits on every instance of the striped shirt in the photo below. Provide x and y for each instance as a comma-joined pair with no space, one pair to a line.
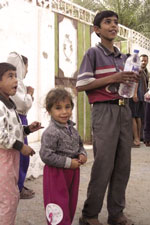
99,62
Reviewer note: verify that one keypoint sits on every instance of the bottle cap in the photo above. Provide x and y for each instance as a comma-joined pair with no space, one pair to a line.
136,51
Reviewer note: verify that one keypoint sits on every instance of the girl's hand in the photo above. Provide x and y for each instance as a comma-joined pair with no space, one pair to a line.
30,90
82,159
27,150
35,126
75,164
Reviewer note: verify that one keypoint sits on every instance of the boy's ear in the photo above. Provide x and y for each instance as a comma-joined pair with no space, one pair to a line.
97,30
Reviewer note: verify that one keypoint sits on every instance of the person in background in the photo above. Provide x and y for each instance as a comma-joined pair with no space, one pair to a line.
100,74
23,100
137,103
11,144
63,153
144,70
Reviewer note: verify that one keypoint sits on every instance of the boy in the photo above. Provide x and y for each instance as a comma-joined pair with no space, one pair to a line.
23,100
100,74
11,143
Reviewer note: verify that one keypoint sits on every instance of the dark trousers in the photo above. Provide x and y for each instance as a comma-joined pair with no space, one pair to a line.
24,160
112,140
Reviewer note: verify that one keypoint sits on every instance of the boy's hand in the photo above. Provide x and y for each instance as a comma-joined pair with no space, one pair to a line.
35,126
82,159
75,164
125,77
27,150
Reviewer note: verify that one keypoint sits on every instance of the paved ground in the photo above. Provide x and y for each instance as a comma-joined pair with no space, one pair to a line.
31,212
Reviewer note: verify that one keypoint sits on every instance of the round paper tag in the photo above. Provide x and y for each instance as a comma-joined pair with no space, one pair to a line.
54,213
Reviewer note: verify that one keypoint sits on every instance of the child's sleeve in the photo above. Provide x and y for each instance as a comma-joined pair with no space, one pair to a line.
49,144
87,69
81,147
7,139
22,99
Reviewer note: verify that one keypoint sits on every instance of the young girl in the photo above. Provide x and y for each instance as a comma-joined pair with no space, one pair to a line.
63,153
11,144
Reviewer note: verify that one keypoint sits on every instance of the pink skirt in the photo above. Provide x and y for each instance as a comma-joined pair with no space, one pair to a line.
9,192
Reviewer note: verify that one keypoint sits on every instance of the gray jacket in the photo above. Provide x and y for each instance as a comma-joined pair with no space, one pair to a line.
60,144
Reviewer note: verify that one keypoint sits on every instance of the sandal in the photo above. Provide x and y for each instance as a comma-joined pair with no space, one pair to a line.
30,190
26,193
122,220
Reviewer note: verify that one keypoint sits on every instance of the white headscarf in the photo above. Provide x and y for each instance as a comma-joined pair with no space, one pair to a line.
22,100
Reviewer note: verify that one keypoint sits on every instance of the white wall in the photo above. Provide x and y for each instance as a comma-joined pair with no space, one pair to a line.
29,30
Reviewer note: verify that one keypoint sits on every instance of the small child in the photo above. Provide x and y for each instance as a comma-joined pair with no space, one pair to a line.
11,144
63,153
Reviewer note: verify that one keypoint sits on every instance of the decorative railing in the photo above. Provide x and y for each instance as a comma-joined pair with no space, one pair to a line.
86,16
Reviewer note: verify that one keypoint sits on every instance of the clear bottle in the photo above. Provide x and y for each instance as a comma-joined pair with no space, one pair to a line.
133,63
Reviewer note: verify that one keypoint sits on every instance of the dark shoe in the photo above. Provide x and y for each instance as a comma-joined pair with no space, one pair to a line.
27,193
122,220
89,221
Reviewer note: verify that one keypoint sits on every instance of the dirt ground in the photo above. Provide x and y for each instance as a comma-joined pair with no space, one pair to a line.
31,212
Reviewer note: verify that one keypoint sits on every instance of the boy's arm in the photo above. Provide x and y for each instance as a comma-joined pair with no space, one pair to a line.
86,79
120,77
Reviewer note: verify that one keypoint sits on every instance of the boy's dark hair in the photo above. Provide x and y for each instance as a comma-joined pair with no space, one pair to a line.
25,59
4,67
103,14
56,95
144,55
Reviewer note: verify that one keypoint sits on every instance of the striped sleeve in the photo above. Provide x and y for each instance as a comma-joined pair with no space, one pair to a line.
86,72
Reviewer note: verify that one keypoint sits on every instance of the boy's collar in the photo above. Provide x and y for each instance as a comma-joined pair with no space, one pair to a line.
107,52
8,102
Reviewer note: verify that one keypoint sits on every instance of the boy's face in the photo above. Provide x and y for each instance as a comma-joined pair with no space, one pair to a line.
144,62
61,111
8,83
108,28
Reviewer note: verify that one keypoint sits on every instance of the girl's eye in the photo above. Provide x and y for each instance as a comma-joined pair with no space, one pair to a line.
57,107
68,106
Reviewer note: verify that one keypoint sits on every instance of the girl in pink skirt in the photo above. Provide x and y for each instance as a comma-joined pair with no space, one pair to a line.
11,143
63,153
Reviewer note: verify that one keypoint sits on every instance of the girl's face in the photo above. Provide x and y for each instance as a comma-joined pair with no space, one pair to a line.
61,111
8,84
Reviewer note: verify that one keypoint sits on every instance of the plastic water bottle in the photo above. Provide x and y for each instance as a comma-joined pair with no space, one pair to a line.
133,63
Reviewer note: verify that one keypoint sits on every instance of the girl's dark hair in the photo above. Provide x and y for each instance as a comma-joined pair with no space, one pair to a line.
4,67
25,59
56,95
103,14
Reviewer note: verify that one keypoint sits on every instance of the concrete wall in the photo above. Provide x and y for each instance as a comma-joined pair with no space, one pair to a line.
29,30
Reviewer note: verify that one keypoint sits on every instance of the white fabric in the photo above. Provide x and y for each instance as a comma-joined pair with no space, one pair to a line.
10,128
22,100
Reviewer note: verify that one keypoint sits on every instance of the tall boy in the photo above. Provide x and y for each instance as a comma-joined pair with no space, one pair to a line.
100,74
